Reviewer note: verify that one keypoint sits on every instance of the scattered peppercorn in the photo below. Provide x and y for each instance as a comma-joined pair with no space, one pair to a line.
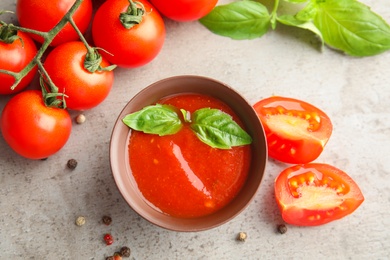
125,251
110,258
80,119
108,239
80,221
242,236
72,164
117,256
107,220
282,228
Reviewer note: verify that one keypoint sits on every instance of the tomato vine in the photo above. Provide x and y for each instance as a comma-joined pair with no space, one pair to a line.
49,89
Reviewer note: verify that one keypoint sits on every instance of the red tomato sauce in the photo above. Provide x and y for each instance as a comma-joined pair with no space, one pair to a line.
182,176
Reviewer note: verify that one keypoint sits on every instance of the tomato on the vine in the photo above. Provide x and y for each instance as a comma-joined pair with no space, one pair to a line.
184,10
133,47
296,131
83,89
43,15
314,194
14,57
31,128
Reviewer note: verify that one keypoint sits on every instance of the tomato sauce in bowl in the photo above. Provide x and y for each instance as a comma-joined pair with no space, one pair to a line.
180,175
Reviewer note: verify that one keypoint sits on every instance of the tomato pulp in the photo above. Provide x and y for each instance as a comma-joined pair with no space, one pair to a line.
314,194
182,176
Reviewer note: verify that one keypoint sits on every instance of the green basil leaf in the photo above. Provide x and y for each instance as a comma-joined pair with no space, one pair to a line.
296,1
292,21
308,12
238,20
157,119
218,129
352,27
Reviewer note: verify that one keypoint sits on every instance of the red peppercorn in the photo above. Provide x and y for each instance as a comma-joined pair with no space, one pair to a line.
108,239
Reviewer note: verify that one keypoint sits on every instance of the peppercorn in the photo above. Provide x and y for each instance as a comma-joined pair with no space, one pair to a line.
72,164
108,239
110,258
107,220
282,228
117,256
125,251
80,119
80,221
242,236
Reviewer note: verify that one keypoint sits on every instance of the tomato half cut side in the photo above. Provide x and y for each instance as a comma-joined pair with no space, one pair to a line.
314,194
296,131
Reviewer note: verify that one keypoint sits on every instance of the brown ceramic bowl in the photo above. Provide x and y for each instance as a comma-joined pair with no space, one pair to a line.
187,84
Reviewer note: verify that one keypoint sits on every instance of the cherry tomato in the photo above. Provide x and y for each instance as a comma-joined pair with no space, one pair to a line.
43,15
133,47
315,194
296,131
14,57
184,10
32,129
83,89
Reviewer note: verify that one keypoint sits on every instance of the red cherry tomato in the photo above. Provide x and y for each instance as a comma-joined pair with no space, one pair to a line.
14,57
296,131
184,10
43,15
314,194
32,129
83,89
133,47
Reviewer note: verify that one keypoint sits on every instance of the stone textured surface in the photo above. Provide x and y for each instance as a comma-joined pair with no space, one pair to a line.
40,200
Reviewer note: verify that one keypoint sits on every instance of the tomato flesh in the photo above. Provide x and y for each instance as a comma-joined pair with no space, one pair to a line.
315,194
296,131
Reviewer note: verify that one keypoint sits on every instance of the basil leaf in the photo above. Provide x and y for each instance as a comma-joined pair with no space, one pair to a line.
296,1
238,20
352,27
157,119
308,25
218,129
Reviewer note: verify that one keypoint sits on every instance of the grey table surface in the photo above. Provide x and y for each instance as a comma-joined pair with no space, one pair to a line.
40,200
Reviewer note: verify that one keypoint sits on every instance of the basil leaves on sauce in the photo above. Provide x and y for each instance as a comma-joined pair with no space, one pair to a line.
212,126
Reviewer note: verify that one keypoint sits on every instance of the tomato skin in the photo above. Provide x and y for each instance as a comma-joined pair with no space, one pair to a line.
315,194
43,15
14,57
184,10
296,131
32,129
84,90
132,47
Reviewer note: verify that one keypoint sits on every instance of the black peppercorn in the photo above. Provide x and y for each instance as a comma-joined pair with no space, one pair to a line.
125,251
282,228
110,258
72,164
106,220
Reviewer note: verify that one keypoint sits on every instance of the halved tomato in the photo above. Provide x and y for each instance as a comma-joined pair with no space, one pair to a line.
314,194
296,131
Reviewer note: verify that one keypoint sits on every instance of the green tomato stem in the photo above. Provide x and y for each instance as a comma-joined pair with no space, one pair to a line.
48,38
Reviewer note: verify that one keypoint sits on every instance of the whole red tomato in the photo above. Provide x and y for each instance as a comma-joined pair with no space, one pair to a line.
83,89
32,129
184,10
314,194
43,15
14,57
133,47
296,131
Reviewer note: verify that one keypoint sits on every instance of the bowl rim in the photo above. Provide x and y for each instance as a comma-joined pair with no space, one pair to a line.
259,146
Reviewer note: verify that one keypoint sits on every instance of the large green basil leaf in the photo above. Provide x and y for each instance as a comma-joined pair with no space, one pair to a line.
352,27
157,119
218,129
238,20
